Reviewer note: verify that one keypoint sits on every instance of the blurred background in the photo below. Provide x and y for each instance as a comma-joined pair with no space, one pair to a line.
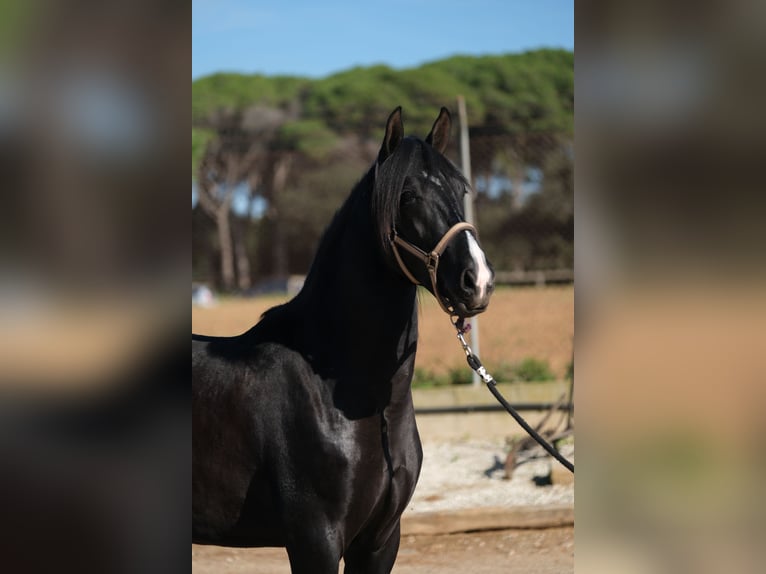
671,309
94,435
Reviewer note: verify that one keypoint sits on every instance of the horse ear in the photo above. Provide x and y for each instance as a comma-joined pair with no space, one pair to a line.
439,135
394,134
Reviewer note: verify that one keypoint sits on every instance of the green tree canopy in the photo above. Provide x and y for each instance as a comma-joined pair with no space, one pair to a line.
533,91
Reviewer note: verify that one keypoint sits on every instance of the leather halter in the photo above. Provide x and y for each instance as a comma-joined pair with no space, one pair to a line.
431,260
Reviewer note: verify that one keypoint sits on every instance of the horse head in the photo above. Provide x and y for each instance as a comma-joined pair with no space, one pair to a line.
418,202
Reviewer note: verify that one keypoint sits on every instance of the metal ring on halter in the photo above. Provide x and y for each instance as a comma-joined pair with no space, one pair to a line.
431,259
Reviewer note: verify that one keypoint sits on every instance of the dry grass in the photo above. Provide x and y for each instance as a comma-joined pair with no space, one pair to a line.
521,322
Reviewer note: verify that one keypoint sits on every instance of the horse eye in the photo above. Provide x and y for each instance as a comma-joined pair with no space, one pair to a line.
408,196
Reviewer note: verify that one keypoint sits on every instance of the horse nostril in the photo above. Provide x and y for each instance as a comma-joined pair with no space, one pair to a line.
468,281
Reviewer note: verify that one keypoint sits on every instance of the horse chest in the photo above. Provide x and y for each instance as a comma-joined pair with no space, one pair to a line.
374,470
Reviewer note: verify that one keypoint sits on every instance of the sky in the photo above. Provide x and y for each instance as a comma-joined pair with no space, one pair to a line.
316,38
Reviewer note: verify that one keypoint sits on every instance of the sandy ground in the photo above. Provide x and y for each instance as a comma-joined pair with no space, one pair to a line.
532,551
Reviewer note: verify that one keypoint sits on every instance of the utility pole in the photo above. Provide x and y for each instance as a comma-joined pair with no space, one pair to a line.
465,160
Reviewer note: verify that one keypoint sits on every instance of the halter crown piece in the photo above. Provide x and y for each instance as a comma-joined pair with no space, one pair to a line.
431,260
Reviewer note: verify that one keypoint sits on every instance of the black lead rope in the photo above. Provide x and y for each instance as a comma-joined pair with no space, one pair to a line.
475,364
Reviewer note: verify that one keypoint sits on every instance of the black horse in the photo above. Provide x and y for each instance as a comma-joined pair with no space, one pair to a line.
304,432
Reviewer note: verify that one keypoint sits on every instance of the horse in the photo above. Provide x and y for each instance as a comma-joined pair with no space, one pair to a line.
304,432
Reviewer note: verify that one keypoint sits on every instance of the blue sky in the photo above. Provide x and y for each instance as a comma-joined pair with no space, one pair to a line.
320,37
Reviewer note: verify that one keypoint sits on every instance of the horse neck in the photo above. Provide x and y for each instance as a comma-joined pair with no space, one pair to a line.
362,315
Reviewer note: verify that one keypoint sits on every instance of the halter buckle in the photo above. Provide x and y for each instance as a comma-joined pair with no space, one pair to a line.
433,261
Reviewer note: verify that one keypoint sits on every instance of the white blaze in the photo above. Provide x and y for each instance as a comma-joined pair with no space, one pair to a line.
483,274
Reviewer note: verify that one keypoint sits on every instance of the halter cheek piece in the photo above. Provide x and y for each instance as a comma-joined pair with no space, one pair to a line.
431,260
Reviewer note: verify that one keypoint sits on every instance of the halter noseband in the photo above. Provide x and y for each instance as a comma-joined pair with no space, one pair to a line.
431,260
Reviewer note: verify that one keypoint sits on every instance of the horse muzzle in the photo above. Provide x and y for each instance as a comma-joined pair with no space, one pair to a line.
471,294
473,290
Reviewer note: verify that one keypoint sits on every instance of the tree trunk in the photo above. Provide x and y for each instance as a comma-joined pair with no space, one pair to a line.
517,181
279,246
243,262
225,243
220,212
